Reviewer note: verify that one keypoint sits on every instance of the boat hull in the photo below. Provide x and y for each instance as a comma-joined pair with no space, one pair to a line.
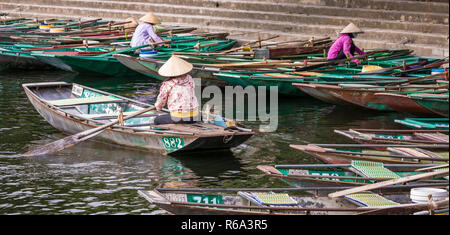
402,103
150,68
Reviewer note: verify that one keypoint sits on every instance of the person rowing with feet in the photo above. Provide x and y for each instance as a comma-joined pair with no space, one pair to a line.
178,92
344,47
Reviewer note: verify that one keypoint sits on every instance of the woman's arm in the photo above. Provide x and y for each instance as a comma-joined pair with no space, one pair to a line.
151,33
164,92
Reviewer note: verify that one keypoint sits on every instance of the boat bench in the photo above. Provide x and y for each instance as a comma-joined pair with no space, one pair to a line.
433,136
368,199
102,116
372,170
87,100
269,199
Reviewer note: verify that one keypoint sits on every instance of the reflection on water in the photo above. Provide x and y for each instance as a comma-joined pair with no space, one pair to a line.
97,178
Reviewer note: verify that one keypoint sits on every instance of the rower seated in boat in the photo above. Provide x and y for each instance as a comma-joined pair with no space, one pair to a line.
131,26
344,47
144,32
178,92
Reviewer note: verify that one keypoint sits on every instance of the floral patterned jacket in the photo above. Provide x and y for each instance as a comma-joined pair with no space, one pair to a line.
179,94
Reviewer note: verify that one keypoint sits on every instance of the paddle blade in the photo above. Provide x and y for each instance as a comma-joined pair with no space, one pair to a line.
61,144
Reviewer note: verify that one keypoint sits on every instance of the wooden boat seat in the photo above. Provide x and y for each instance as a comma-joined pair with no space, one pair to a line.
417,152
269,198
372,169
87,100
369,199
433,136
114,115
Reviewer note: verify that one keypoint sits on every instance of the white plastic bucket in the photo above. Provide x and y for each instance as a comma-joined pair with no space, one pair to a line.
420,195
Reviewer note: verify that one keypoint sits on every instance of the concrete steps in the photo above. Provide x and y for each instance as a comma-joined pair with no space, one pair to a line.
284,18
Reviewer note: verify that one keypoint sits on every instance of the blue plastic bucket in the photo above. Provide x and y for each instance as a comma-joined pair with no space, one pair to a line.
145,54
436,71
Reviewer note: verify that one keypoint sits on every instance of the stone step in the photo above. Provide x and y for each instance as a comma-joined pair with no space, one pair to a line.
251,34
434,6
262,25
275,16
257,6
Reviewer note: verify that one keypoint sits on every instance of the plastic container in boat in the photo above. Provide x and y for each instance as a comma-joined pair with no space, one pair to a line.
219,121
420,195
436,71
368,68
147,54
45,26
57,30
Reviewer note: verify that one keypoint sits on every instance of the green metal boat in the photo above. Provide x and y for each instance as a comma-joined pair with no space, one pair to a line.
425,123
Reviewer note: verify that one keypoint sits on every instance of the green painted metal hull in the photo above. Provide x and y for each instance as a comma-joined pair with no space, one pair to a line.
437,106
425,123
108,66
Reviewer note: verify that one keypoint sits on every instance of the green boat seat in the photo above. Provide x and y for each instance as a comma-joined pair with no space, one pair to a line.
269,198
114,115
274,199
372,169
368,199
86,100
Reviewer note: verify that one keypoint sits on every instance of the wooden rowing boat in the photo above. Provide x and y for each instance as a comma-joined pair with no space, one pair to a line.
354,174
362,95
393,155
193,201
407,137
73,108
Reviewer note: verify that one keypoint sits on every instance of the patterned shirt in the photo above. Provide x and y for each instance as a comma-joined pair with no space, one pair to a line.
179,94
344,42
143,32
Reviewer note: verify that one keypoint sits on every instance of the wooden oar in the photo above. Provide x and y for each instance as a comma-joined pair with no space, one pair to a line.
77,138
406,209
387,183
432,168
125,50
384,70
431,77
249,43
437,146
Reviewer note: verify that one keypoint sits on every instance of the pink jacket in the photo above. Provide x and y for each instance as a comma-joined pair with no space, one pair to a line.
179,94
343,42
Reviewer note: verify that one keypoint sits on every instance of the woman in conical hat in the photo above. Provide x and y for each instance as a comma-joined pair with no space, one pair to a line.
129,27
344,46
145,32
177,92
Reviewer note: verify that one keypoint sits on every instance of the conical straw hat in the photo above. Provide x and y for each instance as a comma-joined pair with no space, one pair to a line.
174,67
133,23
150,18
351,28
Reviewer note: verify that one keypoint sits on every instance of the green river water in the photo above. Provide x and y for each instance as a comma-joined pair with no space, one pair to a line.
97,178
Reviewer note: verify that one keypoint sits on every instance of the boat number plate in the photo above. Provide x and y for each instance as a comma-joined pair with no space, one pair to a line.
205,199
77,90
172,143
